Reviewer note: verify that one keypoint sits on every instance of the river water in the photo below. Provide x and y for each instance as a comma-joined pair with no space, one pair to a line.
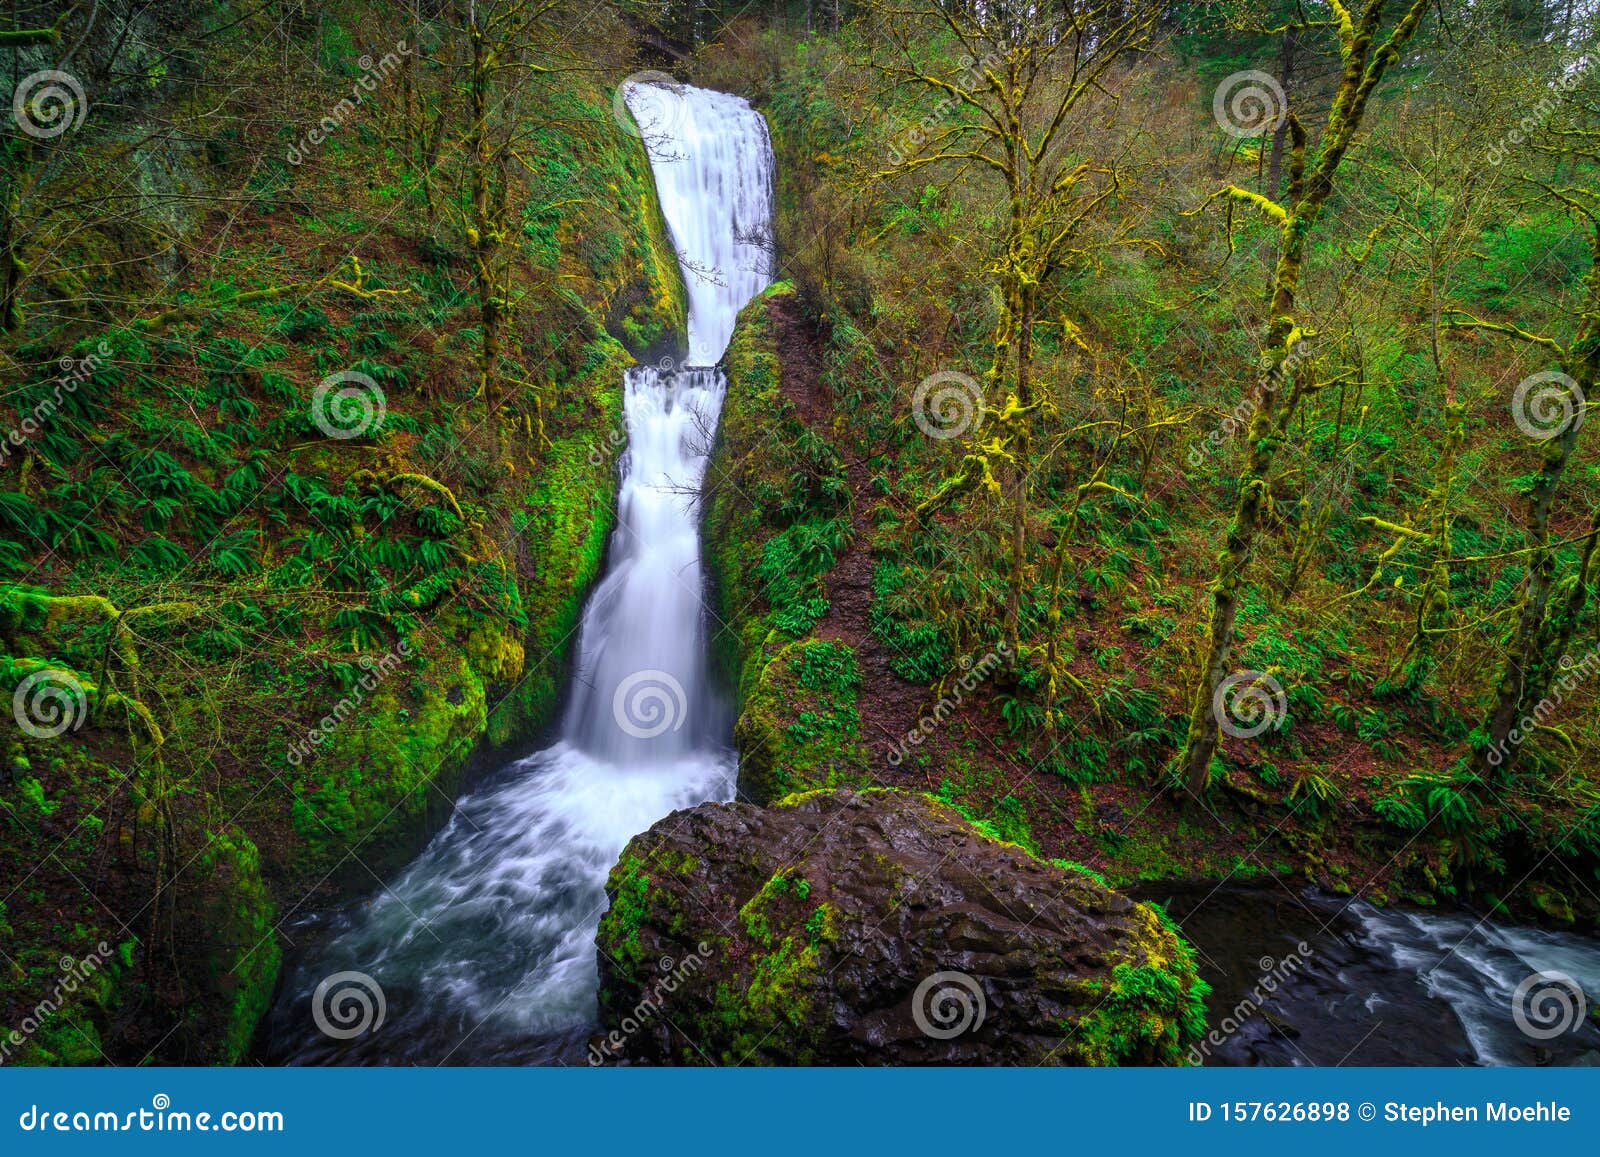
1384,986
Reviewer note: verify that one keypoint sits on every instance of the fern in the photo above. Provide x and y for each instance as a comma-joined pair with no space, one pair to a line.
233,555
1311,792
365,628
1399,811
158,555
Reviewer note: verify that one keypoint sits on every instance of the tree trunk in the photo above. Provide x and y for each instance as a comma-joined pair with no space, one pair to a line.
1526,675
1266,429
1308,193
1434,601
1280,135
1021,447
484,233
13,270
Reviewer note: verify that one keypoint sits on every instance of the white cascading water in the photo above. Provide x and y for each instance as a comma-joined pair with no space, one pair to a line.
1475,967
484,947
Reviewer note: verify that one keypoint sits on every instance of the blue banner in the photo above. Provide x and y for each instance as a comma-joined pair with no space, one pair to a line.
705,1112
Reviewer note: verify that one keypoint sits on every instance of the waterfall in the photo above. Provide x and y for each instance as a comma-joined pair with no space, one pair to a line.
483,949
640,690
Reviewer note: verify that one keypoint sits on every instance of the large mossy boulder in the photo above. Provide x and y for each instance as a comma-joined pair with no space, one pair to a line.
877,927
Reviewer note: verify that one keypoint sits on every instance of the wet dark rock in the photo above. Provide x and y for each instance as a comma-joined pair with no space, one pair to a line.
877,927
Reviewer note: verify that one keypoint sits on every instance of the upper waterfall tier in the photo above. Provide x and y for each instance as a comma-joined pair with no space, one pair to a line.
713,166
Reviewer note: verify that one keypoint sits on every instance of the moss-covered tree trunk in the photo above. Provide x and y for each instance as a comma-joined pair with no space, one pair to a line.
1532,655
1280,133
13,269
1434,601
485,232
1022,450
1363,64
1234,562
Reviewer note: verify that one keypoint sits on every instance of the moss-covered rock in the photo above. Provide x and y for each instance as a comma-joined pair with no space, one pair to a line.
71,1004
878,927
740,468
800,729
774,524
1551,904
240,967
565,517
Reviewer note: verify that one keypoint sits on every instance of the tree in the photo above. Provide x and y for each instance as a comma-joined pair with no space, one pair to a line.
1008,110
1366,55
501,38
1551,406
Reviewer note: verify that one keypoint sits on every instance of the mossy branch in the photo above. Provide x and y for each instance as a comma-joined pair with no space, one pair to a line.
356,287
24,37
1468,321
421,481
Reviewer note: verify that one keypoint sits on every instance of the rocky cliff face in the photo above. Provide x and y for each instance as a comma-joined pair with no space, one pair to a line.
877,927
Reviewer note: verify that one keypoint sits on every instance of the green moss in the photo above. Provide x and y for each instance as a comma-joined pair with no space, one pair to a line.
243,956
1083,870
776,518
780,998
369,784
32,793
501,568
629,888
568,512
822,925
983,801
1153,1007
800,728
1552,903
66,1002
755,912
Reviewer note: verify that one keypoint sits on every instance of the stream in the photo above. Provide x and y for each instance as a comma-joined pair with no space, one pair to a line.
1382,986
